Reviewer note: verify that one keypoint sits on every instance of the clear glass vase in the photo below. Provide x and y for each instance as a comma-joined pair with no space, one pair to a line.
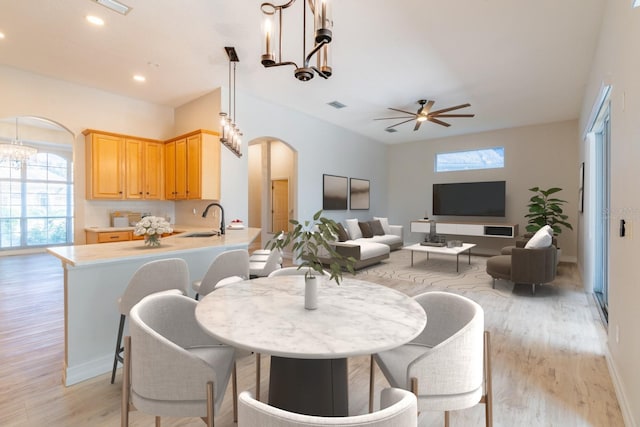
152,240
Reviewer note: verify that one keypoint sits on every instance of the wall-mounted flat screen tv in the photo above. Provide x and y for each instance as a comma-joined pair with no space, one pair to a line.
469,198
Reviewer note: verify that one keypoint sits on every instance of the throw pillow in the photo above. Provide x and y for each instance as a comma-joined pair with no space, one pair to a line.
352,227
343,236
376,228
365,228
385,224
542,239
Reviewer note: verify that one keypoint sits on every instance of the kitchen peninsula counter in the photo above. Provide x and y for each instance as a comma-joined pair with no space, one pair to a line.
96,275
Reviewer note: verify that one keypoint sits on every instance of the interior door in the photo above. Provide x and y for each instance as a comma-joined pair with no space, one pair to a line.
279,205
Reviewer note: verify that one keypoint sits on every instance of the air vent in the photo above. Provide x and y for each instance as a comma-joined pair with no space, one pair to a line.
336,104
391,130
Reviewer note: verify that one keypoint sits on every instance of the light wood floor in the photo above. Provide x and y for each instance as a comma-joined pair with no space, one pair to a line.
549,368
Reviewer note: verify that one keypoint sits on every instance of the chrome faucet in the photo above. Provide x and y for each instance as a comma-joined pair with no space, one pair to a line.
206,210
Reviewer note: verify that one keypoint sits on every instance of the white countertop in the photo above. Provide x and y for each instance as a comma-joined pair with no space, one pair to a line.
77,255
267,315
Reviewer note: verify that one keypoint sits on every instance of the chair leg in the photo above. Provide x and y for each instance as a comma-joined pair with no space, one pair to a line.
197,296
126,376
494,283
234,387
210,407
533,289
372,374
119,349
158,421
488,397
446,418
258,361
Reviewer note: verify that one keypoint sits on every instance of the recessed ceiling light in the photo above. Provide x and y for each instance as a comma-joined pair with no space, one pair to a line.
1,36
636,3
139,78
114,5
95,20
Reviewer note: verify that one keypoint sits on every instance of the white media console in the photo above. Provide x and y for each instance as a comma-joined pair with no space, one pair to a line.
506,231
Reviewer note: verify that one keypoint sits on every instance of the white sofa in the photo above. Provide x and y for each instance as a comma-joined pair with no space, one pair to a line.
368,250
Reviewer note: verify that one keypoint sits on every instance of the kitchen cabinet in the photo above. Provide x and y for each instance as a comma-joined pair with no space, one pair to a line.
192,166
95,236
123,167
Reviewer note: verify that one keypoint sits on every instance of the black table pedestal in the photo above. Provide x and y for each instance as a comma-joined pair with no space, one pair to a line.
309,386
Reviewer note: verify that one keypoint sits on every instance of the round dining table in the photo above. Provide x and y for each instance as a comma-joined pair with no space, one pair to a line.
309,348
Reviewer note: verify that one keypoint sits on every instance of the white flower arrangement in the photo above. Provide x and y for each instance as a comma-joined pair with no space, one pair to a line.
152,225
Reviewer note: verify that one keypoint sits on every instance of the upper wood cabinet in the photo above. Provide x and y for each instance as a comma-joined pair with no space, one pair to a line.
123,167
192,166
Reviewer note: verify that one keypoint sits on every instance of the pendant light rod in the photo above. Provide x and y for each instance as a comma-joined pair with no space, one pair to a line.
231,135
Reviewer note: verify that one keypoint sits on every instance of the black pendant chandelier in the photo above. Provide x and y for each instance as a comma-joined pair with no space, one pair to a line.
322,25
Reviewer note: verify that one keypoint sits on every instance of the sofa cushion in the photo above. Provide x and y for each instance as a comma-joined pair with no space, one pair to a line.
542,239
376,227
369,249
365,228
385,224
343,236
353,228
388,239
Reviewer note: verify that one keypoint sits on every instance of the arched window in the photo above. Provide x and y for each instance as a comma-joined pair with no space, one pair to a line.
36,199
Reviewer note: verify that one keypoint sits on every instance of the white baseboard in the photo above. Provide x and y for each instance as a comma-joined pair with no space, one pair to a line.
627,415
87,370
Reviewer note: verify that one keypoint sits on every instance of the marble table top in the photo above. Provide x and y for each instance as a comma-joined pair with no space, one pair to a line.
267,315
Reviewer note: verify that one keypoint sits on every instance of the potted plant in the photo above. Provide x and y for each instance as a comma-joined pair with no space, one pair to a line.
310,240
546,210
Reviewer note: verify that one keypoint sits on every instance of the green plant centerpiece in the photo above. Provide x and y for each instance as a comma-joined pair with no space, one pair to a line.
310,239
546,209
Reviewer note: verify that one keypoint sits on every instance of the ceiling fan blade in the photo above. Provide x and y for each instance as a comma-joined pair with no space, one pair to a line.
431,119
397,118
417,126
444,110
455,115
402,111
398,124
429,105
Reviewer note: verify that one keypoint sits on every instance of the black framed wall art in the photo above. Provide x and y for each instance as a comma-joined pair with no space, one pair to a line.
334,192
359,194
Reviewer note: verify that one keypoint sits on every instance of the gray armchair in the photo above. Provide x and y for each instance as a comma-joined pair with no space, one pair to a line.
530,266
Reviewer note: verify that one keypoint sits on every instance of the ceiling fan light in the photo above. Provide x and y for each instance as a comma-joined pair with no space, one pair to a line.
421,118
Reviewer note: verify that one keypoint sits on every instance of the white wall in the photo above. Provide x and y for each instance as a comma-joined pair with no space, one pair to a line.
542,155
78,108
617,63
322,149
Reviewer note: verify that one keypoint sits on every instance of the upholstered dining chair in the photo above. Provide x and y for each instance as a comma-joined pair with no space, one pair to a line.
264,268
447,366
172,367
228,267
155,276
293,271
398,409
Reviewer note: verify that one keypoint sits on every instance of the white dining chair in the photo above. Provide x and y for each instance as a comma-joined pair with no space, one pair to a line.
172,367
227,267
447,366
264,268
170,274
398,409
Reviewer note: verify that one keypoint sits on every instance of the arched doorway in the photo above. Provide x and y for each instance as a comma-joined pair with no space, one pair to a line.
273,183
36,195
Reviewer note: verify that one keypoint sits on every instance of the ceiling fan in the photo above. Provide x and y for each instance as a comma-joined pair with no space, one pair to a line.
424,113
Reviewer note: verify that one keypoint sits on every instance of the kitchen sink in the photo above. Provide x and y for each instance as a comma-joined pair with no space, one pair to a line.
201,234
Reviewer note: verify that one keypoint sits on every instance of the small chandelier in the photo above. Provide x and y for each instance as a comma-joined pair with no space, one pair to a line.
231,135
15,151
322,24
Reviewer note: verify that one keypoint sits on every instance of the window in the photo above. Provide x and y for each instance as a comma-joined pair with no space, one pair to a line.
36,200
486,158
